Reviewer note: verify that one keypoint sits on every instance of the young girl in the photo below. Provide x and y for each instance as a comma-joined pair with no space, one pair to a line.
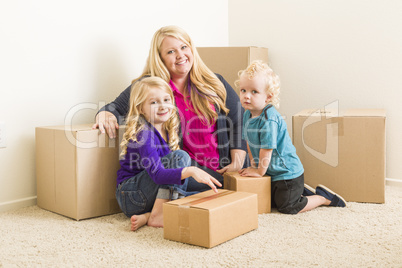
270,148
153,170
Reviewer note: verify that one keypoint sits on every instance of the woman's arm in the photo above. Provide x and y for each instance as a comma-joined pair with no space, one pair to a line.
234,120
237,156
235,116
110,115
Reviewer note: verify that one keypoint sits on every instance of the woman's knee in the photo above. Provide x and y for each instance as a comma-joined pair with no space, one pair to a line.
180,159
181,153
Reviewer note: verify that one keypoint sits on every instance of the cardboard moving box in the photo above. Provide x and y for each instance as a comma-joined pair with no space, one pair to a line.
76,171
208,219
258,185
228,61
345,152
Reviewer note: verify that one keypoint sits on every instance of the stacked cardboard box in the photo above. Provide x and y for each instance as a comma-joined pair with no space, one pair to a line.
76,171
208,219
228,61
258,185
344,151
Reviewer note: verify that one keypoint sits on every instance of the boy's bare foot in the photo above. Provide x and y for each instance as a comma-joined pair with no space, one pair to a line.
137,221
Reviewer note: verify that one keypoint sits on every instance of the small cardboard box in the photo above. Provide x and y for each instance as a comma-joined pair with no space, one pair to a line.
343,151
228,61
208,219
258,185
76,171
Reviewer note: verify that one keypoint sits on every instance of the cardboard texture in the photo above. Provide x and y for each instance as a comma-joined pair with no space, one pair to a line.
228,61
208,219
258,185
76,171
343,151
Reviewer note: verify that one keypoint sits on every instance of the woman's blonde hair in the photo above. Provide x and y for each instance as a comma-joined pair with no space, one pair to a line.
272,82
135,120
205,89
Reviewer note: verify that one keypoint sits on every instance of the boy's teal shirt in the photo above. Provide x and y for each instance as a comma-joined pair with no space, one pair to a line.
269,131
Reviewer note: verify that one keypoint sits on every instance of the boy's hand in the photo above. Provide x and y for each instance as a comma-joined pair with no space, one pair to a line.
250,172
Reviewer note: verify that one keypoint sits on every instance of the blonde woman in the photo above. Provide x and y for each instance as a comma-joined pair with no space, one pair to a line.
210,110
153,170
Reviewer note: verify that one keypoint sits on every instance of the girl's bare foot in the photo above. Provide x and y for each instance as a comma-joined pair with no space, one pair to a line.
156,217
155,220
138,221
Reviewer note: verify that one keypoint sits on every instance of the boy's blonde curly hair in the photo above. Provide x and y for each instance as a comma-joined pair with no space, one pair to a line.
272,81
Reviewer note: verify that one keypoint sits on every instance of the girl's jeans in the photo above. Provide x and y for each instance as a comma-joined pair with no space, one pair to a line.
137,195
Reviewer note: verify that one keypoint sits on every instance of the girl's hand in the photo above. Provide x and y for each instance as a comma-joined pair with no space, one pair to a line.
201,176
250,172
106,121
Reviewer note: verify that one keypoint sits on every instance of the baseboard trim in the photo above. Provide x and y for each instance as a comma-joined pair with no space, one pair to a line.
393,182
19,203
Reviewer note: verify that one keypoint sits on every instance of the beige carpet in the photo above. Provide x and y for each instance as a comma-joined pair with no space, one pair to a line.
362,235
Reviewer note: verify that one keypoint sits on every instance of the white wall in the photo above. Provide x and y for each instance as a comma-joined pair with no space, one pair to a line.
345,51
59,54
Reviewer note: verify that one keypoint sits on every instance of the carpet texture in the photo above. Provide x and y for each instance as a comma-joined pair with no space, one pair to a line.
361,235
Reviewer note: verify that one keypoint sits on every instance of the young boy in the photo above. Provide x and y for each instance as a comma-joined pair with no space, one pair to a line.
270,148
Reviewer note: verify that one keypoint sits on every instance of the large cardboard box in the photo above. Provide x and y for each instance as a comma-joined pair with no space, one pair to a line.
258,185
76,171
344,151
208,219
228,61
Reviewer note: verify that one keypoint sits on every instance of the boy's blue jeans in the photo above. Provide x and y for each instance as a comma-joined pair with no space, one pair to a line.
137,195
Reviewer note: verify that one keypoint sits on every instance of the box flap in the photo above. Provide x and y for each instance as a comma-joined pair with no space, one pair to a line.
68,128
365,112
343,113
230,47
239,177
318,112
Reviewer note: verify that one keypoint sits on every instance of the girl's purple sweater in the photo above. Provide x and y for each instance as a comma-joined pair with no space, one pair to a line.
146,154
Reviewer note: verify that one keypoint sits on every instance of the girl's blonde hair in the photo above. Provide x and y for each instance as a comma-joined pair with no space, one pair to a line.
135,120
272,81
205,89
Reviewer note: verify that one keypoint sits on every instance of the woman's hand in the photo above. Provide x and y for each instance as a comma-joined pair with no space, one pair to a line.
106,121
250,172
201,176
228,168
238,157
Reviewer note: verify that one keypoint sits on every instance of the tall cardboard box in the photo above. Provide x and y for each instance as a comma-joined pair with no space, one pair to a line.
228,61
258,185
76,171
208,219
344,151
